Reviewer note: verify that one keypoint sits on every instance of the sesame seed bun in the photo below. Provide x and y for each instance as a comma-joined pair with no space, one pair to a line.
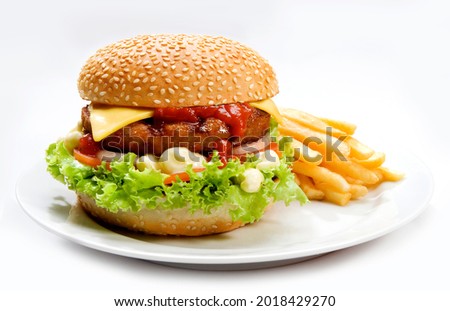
164,222
176,71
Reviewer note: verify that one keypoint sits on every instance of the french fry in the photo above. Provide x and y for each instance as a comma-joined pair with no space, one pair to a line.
354,181
336,197
375,160
308,187
346,127
353,170
358,191
314,140
357,149
380,176
389,174
311,122
321,175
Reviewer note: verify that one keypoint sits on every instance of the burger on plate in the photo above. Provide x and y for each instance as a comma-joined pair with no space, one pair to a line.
176,137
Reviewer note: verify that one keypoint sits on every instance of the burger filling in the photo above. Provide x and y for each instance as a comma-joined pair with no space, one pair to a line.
200,157
225,128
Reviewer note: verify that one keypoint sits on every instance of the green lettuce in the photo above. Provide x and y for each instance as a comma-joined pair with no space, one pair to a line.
123,187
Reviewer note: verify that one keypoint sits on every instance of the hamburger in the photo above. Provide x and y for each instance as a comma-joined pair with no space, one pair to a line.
175,137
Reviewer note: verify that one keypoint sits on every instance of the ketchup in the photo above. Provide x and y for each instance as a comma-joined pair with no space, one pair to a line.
88,145
235,116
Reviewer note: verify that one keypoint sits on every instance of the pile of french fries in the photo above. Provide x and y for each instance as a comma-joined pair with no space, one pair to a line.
329,163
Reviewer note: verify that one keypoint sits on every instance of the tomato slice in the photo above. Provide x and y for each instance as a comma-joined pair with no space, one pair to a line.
183,176
86,159
88,146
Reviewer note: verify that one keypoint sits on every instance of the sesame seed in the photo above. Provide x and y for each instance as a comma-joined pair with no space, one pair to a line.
162,91
105,75
157,101
153,87
137,89
136,81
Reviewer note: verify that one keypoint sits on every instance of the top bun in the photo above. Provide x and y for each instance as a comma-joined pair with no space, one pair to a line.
176,71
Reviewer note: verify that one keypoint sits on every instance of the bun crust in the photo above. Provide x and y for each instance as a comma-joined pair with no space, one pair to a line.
176,71
164,222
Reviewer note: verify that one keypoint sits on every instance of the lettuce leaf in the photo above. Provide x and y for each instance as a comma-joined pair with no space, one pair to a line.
123,187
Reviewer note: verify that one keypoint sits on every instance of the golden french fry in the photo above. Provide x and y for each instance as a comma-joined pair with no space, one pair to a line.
358,191
321,175
308,187
336,197
311,122
346,127
313,139
374,161
389,174
353,170
357,149
354,181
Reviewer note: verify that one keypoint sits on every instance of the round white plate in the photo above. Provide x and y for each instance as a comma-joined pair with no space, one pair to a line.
284,235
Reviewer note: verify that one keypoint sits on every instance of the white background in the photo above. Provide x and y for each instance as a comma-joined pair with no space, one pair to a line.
381,64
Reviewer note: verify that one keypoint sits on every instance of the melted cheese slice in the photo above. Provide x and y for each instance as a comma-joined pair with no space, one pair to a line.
269,106
106,119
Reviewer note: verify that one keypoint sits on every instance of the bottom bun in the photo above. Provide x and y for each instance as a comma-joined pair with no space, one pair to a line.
164,222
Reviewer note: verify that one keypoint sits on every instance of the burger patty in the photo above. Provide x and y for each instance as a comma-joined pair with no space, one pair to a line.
149,136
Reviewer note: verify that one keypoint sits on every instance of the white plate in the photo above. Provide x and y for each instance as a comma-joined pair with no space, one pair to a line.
284,235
